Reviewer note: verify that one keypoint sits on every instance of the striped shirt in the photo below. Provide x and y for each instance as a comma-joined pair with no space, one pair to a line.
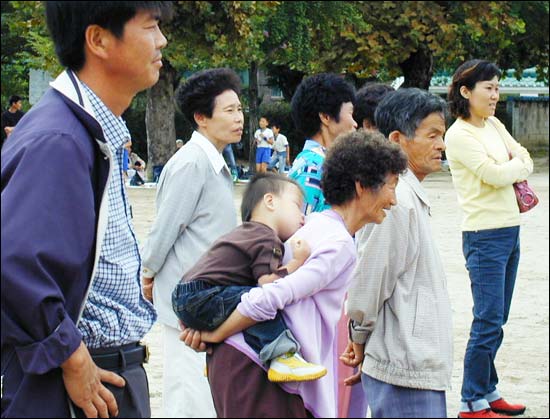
116,312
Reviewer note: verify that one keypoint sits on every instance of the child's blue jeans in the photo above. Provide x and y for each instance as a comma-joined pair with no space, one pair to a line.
202,306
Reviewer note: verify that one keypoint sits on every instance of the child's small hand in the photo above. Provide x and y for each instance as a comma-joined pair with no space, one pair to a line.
300,249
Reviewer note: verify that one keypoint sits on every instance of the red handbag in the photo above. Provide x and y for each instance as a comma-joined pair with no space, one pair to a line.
526,197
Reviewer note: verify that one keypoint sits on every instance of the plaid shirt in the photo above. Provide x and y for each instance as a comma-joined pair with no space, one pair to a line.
116,312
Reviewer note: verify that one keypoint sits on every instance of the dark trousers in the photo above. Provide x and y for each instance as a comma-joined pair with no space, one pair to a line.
202,306
132,399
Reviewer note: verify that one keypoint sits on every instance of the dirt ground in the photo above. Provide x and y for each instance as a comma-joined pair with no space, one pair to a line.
522,361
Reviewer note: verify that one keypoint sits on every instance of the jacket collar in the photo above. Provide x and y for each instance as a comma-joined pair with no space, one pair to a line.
410,178
73,93
214,156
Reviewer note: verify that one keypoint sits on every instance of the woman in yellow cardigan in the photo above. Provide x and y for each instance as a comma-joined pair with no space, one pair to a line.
485,162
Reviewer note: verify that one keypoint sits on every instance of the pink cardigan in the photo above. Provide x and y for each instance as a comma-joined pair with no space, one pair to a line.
312,298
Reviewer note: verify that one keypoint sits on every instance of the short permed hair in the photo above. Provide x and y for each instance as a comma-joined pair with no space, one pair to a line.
366,101
365,157
322,93
67,22
405,109
468,74
198,94
259,185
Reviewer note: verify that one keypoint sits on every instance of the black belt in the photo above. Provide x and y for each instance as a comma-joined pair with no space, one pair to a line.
120,357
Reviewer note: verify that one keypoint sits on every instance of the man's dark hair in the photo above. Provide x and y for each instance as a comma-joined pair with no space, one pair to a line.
405,109
198,94
366,157
322,93
14,99
260,185
468,74
366,101
67,22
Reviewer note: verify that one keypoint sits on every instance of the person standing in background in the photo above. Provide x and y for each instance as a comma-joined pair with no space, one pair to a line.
485,162
264,143
229,158
194,207
281,149
322,109
12,115
366,101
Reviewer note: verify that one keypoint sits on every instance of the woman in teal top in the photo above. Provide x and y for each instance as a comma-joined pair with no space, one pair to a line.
322,109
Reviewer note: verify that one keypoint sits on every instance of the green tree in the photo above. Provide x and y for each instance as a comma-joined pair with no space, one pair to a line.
203,34
301,35
25,45
530,47
383,40
411,38
364,39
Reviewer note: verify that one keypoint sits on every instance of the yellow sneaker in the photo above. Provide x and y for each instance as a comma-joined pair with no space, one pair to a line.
292,367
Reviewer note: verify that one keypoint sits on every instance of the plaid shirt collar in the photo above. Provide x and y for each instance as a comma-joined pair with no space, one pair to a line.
114,127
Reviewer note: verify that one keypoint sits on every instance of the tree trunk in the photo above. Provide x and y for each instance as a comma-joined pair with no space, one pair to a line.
418,69
160,119
252,114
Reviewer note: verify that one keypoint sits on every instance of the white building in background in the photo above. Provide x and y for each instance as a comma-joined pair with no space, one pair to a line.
39,81
509,85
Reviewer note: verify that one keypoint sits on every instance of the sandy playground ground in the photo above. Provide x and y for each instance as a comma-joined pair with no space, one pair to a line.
522,361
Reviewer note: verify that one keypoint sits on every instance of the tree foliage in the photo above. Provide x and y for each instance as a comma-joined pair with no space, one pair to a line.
291,39
413,38
206,34
25,45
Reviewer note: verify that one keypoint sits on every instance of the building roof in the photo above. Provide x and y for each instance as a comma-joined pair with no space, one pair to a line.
527,85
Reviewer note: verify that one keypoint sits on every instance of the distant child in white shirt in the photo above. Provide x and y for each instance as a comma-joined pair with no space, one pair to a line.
264,140
281,149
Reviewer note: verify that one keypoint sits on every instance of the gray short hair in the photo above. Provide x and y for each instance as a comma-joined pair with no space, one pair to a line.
405,109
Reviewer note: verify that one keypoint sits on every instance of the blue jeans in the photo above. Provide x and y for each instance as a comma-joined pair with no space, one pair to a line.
390,401
492,258
202,306
278,156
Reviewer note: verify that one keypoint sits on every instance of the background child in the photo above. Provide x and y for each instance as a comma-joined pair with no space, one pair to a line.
281,151
264,142
248,256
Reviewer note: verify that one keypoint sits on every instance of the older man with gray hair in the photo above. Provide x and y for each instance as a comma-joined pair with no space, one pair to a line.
398,304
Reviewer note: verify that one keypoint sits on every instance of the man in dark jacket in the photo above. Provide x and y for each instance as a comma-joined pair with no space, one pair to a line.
72,310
